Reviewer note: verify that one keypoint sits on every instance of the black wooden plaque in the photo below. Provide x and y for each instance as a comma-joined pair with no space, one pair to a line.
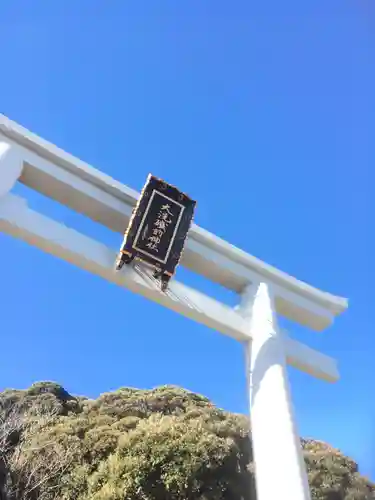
159,225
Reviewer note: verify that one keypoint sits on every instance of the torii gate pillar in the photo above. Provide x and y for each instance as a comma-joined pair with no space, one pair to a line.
280,470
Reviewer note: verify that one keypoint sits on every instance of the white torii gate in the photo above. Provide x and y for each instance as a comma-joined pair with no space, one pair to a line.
265,291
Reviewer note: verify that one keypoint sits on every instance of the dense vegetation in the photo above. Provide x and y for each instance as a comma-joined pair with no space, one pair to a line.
162,444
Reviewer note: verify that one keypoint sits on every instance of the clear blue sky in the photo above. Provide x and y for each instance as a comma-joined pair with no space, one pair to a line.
264,113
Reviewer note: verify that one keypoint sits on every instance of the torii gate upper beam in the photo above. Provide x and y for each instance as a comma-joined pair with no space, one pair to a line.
64,178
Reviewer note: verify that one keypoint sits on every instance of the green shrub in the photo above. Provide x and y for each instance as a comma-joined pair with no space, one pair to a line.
132,444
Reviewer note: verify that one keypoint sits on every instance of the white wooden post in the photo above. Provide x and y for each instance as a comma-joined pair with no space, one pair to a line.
280,471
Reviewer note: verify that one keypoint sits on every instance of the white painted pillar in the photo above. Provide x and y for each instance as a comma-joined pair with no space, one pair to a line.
280,471
10,167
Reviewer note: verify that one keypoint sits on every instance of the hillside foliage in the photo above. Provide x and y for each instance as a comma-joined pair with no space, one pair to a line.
161,444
